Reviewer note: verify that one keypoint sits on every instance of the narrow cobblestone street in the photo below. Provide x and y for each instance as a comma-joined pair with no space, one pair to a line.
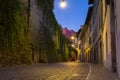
57,71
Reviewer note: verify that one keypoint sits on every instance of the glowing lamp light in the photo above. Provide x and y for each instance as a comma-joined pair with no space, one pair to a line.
72,37
63,4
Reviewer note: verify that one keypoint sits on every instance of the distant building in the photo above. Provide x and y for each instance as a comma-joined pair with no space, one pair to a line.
71,35
65,31
68,33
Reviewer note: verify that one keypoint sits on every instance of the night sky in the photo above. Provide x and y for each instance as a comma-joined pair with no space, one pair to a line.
73,15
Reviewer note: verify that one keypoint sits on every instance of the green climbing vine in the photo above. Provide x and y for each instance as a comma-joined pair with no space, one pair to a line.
16,46
14,34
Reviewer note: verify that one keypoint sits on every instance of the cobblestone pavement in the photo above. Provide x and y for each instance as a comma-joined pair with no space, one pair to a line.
98,72
56,71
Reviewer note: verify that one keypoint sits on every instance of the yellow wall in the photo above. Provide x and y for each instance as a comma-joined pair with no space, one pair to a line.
107,61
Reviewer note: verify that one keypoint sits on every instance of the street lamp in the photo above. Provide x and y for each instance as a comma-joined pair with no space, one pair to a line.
72,37
73,45
63,4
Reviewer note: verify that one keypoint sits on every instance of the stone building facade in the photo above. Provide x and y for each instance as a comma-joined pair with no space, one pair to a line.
46,34
38,20
103,34
115,11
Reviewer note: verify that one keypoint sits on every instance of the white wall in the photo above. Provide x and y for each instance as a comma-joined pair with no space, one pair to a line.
117,14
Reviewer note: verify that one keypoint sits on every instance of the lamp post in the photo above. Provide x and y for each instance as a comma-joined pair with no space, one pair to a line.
72,39
63,4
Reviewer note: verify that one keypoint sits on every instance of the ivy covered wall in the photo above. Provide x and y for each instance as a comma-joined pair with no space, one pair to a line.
29,33
51,43
14,33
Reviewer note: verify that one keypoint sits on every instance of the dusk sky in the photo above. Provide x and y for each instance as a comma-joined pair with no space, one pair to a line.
73,15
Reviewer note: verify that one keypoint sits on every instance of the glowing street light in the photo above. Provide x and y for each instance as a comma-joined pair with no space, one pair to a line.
72,37
73,45
63,4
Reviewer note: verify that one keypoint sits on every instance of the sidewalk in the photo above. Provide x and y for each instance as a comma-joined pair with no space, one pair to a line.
98,72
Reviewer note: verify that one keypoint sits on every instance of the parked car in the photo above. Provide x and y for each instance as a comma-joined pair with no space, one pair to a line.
73,59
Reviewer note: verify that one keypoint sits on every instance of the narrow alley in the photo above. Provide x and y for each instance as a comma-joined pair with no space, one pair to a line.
59,39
